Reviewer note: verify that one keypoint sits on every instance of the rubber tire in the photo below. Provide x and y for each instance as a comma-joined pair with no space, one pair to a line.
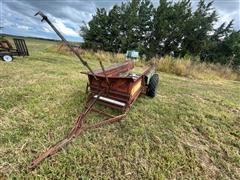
7,58
152,86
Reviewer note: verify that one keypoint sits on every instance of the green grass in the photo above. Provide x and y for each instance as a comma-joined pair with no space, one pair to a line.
190,130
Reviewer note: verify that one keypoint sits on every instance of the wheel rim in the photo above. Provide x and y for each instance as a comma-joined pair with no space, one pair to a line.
7,58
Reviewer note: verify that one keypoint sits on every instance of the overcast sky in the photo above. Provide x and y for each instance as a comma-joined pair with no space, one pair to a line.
17,16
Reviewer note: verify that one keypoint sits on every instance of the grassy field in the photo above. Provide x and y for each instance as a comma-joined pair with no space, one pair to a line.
190,130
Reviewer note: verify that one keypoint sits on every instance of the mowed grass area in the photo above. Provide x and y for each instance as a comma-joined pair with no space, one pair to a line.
190,130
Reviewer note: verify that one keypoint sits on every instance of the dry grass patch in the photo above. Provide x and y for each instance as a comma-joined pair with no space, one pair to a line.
187,67
178,66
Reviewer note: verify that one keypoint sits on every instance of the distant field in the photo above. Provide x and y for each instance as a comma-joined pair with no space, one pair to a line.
190,130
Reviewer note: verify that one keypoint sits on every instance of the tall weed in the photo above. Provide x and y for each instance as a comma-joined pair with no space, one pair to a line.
195,69
179,66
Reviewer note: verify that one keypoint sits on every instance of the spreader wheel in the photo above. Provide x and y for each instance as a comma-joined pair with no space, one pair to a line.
7,58
152,86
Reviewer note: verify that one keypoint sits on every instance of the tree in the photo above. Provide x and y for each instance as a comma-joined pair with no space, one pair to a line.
225,51
144,26
125,27
234,42
96,33
169,25
114,24
199,28
172,28
129,26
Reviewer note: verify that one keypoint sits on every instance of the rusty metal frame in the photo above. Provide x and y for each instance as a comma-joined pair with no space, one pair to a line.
106,82
20,48
78,129
89,107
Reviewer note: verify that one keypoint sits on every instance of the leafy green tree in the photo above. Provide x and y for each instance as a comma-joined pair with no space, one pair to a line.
144,26
169,25
96,33
234,42
137,17
114,24
129,26
225,51
199,27
125,27
172,28
160,28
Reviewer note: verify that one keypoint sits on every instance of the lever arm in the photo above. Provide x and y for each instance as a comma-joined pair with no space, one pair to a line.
45,18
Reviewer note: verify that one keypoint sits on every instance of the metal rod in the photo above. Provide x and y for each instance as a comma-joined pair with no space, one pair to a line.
102,112
78,125
104,72
107,121
66,42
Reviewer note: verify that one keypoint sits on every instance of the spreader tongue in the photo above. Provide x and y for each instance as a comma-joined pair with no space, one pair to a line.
51,151
76,131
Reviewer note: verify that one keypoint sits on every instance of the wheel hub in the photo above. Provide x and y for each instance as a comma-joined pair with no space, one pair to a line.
7,58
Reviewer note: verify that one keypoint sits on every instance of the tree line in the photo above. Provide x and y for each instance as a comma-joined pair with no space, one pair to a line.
172,28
